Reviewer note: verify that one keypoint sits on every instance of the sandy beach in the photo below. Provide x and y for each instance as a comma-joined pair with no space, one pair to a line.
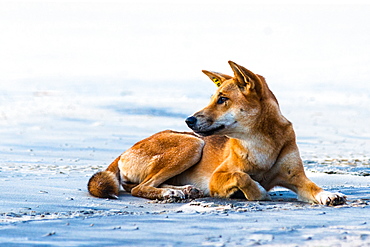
55,209
82,82
47,161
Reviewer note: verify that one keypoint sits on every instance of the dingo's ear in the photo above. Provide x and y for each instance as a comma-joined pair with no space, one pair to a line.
245,78
216,77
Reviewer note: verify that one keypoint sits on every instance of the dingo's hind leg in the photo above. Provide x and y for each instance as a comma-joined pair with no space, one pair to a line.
152,187
164,155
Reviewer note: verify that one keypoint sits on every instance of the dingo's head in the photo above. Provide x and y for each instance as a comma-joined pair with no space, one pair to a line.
239,104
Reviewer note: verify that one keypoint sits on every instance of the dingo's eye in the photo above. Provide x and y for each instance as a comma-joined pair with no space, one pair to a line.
221,100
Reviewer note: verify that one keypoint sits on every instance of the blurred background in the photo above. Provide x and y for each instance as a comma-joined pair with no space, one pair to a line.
87,79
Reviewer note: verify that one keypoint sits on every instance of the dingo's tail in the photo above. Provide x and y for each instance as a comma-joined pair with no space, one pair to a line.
106,184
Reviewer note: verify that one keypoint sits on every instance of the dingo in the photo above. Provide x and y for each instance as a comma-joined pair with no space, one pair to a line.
243,144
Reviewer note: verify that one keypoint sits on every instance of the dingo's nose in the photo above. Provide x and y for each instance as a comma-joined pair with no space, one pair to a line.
191,121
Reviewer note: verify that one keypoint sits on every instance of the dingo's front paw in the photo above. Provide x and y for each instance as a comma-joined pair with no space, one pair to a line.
331,199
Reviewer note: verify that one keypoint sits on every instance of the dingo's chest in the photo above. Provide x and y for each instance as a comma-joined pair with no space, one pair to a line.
257,156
